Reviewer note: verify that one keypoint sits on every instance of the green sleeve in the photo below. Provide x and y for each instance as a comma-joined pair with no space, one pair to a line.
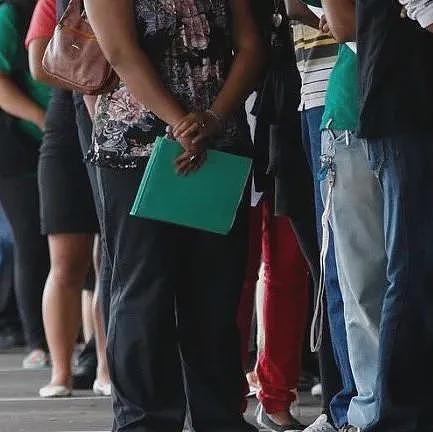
316,3
9,39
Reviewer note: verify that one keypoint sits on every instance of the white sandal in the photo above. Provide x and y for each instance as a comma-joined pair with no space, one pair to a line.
37,359
101,389
55,391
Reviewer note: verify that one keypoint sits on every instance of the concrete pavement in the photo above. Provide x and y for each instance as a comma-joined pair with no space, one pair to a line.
21,410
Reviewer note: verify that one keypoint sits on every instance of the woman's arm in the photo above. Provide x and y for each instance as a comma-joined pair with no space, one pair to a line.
296,10
39,34
248,64
36,54
247,67
16,103
130,62
341,19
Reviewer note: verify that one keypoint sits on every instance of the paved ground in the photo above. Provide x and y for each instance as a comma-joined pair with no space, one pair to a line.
22,411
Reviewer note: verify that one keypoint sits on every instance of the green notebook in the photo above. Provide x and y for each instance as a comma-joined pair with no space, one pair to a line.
207,199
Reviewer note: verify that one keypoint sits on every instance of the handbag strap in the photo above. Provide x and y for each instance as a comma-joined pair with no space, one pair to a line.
73,11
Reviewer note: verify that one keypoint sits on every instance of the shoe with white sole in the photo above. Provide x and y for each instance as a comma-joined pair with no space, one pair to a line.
265,421
349,428
321,425
37,359
101,389
55,391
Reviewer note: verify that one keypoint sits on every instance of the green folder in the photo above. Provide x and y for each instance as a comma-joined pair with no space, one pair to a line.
207,199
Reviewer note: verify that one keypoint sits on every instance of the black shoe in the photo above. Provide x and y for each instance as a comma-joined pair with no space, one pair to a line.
249,427
11,338
264,421
85,372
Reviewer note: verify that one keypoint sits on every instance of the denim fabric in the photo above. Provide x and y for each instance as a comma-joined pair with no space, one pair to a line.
19,197
404,168
357,223
6,268
345,390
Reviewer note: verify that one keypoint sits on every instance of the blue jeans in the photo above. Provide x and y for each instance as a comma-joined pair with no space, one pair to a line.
339,404
403,166
6,272
356,218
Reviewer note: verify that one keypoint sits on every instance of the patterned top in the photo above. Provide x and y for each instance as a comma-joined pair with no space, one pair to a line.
316,54
190,44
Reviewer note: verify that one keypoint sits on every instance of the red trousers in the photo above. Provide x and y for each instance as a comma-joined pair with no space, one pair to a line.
285,306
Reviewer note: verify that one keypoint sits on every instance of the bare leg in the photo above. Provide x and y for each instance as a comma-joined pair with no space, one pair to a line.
102,375
87,314
71,256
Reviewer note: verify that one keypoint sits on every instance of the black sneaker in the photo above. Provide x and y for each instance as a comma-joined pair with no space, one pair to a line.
84,374
264,420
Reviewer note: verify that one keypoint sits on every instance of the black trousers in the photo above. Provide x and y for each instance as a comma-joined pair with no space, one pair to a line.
172,333
20,200
84,125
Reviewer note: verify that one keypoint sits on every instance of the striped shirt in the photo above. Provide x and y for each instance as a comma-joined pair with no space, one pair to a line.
316,54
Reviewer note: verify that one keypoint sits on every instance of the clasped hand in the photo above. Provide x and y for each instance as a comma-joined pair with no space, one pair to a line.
193,133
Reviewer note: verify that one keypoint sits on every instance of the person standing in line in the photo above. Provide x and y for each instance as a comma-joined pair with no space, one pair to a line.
284,313
68,217
395,63
316,54
190,65
351,191
24,101
278,160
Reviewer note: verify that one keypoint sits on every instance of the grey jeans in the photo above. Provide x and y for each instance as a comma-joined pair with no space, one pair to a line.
356,218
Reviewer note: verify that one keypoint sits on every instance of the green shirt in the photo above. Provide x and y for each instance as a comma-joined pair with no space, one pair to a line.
342,96
316,3
13,63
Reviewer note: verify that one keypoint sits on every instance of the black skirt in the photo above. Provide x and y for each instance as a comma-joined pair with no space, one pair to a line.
67,204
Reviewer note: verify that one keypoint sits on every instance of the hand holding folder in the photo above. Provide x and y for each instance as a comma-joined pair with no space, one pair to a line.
207,199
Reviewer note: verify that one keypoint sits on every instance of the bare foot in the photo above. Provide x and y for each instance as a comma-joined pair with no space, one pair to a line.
60,380
103,376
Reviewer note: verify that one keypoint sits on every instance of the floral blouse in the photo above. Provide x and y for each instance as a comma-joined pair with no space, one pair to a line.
190,44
